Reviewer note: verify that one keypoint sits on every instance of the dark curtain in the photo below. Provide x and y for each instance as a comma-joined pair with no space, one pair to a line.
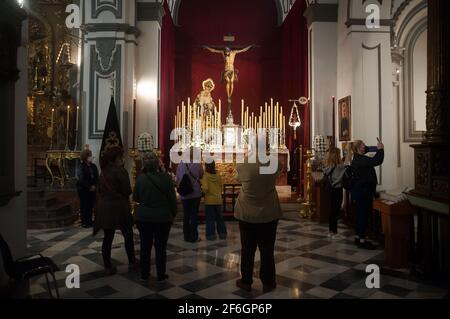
294,76
167,98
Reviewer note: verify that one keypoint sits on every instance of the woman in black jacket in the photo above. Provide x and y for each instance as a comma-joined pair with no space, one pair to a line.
364,189
87,187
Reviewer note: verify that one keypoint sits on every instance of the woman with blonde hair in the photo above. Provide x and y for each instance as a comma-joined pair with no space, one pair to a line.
333,174
363,191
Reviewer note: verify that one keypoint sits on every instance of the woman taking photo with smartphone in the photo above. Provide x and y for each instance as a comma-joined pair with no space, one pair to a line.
364,189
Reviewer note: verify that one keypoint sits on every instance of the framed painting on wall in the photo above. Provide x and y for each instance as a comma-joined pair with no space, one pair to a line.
344,119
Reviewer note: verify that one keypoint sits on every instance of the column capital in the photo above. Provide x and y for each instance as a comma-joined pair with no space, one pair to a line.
321,12
150,11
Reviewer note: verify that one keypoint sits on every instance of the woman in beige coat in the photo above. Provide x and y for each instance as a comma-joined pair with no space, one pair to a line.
257,210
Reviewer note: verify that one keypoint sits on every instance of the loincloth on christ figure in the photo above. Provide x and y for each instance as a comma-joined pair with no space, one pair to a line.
228,75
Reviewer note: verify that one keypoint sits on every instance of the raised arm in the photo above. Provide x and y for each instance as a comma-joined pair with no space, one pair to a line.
244,49
212,49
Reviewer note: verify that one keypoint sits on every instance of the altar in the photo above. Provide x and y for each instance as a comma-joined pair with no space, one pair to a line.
199,126
226,165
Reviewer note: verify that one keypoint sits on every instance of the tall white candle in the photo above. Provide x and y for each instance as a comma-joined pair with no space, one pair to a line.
68,117
78,111
53,114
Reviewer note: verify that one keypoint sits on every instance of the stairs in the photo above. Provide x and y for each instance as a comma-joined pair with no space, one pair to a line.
46,211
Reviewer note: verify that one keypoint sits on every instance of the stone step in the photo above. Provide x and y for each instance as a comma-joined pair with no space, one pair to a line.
56,222
49,212
46,201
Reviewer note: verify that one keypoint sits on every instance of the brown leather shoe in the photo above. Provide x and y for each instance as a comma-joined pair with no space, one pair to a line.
243,286
269,288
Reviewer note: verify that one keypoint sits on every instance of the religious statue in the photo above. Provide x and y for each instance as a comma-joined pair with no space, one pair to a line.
204,100
230,74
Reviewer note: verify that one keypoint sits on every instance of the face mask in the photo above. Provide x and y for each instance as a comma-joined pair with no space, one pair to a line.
366,150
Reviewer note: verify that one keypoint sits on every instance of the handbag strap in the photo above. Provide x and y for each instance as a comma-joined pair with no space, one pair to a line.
190,173
157,187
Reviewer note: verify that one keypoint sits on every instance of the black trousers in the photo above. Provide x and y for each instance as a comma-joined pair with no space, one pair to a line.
87,202
107,245
336,202
190,219
363,196
262,236
157,233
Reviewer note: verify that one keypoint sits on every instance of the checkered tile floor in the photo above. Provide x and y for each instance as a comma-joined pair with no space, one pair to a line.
308,266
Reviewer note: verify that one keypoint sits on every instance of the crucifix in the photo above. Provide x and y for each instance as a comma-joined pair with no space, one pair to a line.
230,74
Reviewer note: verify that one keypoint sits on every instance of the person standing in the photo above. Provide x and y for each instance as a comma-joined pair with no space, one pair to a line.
258,210
113,208
191,201
212,186
364,189
87,187
333,174
155,194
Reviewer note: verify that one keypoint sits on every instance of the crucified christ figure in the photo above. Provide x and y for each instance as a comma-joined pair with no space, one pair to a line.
230,74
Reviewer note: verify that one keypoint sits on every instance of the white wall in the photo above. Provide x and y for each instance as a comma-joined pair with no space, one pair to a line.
148,78
13,217
364,71
420,81
323,74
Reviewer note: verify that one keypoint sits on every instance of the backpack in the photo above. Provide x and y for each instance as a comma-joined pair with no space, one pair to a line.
349,178
185,187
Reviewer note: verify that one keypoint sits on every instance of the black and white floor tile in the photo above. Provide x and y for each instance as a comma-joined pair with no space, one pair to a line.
308,264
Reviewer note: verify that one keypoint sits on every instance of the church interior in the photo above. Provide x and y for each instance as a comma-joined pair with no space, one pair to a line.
167,77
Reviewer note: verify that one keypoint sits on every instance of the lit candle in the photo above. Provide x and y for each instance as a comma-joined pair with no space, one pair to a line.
78,111
134,123
276,115
242,112
183,111
68,117
53,114
265,115
270,117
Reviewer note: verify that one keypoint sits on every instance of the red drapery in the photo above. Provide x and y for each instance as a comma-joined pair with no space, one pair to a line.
294,82
167,99
276,68
294,69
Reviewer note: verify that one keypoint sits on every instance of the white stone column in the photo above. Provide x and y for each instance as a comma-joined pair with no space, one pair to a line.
322,39
109,49
149,19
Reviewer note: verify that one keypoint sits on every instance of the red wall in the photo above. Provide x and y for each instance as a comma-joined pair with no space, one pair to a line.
276,68
205,22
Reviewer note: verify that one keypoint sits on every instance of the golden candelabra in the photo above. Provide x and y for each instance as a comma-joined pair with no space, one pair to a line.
134,155
306,208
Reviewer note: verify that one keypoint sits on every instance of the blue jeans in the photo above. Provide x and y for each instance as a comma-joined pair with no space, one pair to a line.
363,196
190,219
214,217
